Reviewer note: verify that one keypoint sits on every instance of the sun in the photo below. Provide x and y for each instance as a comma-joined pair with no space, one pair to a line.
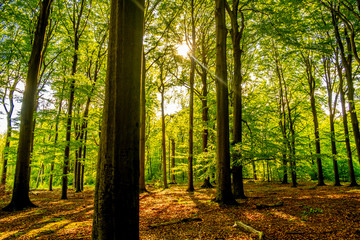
183,50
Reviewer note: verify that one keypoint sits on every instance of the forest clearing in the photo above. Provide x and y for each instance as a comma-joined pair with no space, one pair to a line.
308,212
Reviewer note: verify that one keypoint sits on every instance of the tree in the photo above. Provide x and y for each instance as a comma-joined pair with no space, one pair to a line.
309,67
345,122
223,186
142,186
190,187
95,60
78,30
20,197
9,92
330,87
56,137
116,206
173,178
236,37
282,116
346,61
163,130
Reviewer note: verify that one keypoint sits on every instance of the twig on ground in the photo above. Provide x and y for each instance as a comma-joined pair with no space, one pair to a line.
247,228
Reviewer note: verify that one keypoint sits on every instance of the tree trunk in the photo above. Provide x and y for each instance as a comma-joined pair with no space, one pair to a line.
76,19
236,36
56,138
116,206
190,187
330,89
223,187
173,180
346,128
20,198
142,125
163,130
347,63
204,101
6,149
9,113
292,149
312,88
238,185
254,169
282,119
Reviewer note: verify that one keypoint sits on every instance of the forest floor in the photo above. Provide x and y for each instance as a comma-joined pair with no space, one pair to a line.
305,212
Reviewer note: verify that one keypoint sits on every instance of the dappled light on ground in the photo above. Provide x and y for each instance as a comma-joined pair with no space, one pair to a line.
283,215
254,216
307,212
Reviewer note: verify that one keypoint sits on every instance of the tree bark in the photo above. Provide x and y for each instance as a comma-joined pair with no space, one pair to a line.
236,36
56,138
163,130
173,179
116,206
9,112
312,85
142,125
282,118
223,187
20,197
190,187
330,89
345,125
347,63
78,31
292,149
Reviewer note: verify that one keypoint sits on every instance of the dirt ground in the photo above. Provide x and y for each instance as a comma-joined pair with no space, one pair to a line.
305,212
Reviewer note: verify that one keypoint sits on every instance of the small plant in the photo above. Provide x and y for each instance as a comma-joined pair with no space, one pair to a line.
311,211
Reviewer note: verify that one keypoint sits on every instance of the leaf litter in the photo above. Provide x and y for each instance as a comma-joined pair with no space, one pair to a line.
307,212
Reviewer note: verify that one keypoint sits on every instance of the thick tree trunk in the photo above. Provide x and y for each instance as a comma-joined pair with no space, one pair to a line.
20,198
116,206
238,185
223,187
236,36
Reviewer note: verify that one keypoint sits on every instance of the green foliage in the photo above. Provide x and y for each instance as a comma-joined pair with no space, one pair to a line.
311,211
276,35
